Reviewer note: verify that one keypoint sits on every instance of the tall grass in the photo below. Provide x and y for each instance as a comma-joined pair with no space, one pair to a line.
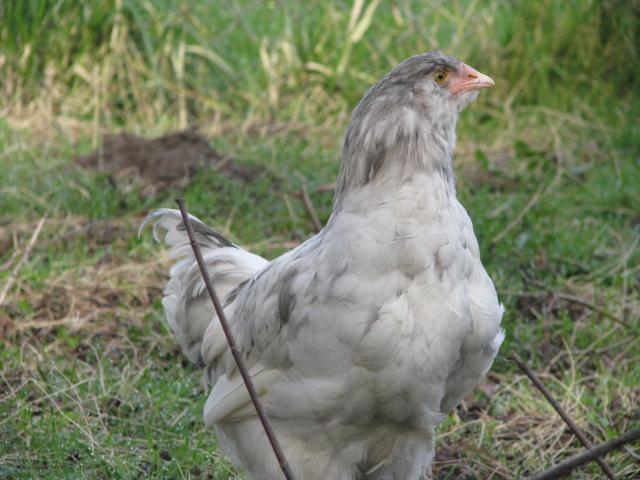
124,63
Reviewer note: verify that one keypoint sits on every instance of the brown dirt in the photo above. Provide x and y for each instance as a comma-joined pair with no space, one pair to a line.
162,162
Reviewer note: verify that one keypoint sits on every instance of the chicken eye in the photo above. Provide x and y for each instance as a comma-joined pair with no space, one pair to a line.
440,77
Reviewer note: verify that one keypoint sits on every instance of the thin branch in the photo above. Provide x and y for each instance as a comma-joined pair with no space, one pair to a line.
571,299
235,351
564,468
310,208
567,419
27,251
326,187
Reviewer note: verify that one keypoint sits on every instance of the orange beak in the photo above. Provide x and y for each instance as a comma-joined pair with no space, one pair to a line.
469,79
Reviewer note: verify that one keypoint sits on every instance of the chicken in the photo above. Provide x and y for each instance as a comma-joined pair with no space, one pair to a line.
362,338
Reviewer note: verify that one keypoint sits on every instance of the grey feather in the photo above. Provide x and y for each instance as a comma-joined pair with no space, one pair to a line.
361,339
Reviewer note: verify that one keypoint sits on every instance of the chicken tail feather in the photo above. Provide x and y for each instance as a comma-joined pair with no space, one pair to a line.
187,306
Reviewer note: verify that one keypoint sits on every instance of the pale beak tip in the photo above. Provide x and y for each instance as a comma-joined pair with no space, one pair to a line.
484,81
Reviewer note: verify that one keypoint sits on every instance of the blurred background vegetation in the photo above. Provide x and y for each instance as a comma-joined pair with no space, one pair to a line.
91,383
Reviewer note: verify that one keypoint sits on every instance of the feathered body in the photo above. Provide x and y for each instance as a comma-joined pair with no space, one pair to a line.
363,337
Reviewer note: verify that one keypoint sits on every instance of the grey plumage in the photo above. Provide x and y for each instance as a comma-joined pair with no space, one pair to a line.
362,338
388,123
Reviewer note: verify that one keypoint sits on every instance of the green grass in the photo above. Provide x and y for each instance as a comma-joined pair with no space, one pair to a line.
91,383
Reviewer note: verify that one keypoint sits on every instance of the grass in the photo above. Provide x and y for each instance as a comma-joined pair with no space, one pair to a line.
91,382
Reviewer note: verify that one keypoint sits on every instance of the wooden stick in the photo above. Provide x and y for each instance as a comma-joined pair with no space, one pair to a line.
306,199
235,351
571,299
567,419
564,468
27,251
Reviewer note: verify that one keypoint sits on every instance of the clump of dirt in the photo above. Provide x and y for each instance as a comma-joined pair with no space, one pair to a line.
162,162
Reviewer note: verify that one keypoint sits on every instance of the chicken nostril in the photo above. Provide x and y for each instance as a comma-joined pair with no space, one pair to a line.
472,75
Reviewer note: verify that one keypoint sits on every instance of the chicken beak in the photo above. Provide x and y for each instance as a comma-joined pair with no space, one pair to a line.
469,79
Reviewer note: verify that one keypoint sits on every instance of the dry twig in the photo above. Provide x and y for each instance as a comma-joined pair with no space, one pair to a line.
567,419
325,188
570,299
579,301
311,209
27,251
601,450
235,351
573,299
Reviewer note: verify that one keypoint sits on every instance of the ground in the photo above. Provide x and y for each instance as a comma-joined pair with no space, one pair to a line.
92,385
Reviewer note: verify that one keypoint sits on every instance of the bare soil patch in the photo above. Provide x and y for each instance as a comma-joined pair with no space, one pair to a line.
162,162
